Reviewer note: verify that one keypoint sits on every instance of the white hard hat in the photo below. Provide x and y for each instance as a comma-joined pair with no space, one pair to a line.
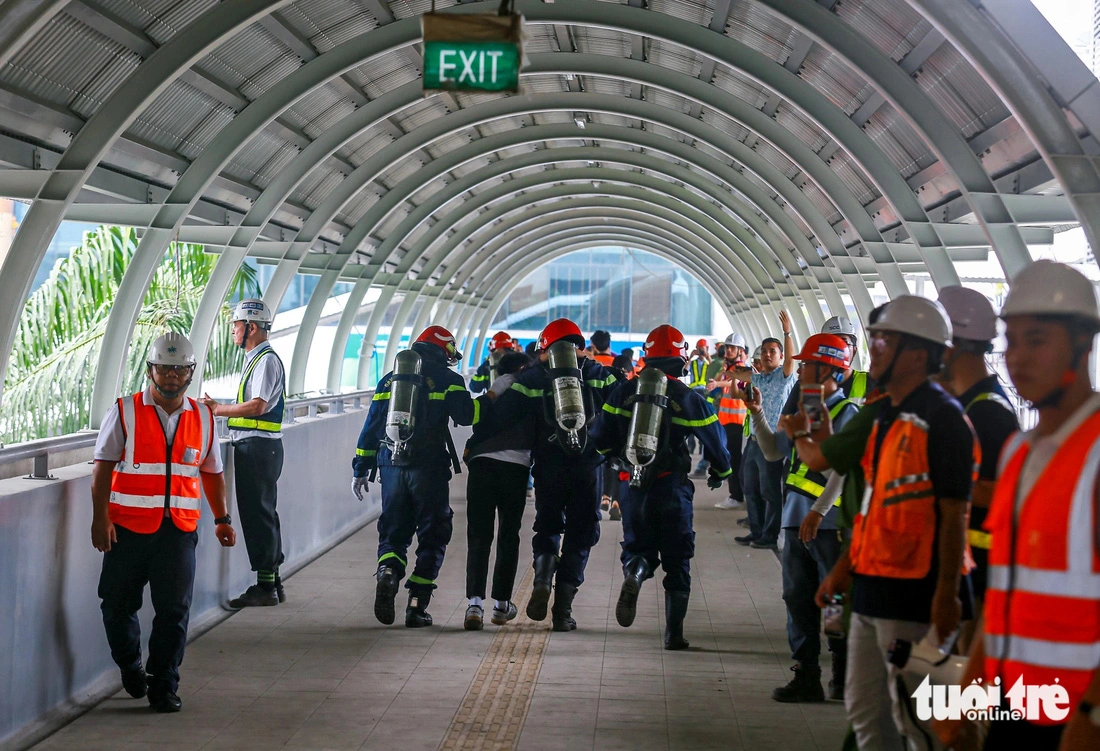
254,311
171,349
971,314
757,352
839,325
1050,288
916,316
736,340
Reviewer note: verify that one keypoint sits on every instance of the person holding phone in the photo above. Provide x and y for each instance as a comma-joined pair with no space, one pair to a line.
806,562
731,413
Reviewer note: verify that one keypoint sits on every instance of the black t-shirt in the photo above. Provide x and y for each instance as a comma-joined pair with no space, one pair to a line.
993,421
950,464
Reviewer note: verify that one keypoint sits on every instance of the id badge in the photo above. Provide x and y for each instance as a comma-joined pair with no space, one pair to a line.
190,455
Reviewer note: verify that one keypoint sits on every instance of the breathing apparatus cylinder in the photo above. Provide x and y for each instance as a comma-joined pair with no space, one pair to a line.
494,361
405,385
924,658
568,394
644,433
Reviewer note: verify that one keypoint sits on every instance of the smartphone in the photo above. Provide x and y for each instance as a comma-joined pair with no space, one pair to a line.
750,391
833,618
813,404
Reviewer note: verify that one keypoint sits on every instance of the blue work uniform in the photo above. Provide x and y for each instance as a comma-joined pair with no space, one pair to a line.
567,497
657,521
480,380
415,495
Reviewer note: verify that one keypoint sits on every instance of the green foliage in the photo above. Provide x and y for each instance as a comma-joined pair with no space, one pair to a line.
53,364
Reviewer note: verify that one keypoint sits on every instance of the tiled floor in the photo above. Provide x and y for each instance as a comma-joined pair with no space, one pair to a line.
319,672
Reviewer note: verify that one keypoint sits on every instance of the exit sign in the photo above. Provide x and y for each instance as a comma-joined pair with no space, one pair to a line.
472,52
471,66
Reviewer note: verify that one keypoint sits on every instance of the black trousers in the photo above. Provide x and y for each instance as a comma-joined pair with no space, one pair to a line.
257,464
165,560
495,491
735,435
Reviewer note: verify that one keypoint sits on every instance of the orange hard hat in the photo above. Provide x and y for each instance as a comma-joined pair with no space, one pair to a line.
443,339
828,349
666,341
560,329
701,344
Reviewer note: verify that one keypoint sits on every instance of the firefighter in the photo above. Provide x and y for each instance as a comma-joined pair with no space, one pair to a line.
908,545
406,441
646,422
144,519
499,345
731,415
562,393
985,402
256,424
1041,622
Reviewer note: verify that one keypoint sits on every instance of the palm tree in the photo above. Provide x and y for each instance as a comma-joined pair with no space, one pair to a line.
48,386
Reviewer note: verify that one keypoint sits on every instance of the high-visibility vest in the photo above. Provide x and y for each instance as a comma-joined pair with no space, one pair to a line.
894,532
270,421
604,359
975,535
153,478
731,411
858,387
802,479
1042,604
698,370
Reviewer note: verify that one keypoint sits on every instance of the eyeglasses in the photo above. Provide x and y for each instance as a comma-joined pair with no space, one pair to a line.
177,369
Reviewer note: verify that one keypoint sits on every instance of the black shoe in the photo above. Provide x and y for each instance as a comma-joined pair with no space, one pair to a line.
635,572
615,513
746,540
805,687
764,545
676,607
135,681
836,683
256,596
279,591
416,612
165,701
545,565
385,593
562,612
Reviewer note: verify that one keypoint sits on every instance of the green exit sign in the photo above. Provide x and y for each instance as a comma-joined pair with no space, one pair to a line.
471,66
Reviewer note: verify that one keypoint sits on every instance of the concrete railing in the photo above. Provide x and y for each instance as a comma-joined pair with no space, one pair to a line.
54,659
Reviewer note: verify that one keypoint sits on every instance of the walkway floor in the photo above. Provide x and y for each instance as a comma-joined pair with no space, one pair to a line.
319,672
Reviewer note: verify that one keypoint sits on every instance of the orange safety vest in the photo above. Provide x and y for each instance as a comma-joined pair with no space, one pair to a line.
604,359
1042,605
894,532
731,411
146,483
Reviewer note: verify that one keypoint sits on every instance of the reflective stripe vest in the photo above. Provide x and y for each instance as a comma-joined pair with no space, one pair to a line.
146,484
975,536
731,411
698,369
270,421
802,479
1042,605
858,387
894,532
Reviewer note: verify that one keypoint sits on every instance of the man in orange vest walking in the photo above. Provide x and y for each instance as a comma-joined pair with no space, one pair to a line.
156,452
1041,622
909,538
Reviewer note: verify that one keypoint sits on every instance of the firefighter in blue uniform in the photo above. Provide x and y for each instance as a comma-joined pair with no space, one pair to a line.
647,421
500,345
567,518
415,472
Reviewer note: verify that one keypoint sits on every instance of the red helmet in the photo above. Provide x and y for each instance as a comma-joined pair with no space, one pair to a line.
701,344
560,329
666,341
828,349
443,339
501,340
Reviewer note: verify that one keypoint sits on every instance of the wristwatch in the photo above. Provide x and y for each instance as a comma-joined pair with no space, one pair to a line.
1091,711
227,519
801,434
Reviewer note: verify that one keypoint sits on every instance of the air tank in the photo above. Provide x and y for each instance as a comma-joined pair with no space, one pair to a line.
405,388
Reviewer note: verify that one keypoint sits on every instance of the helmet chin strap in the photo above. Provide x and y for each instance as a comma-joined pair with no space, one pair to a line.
175,393
244,339
1069,377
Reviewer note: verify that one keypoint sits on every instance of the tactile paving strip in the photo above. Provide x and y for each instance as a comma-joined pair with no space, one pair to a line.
492,713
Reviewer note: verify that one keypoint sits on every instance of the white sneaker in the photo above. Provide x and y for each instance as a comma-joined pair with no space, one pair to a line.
728,503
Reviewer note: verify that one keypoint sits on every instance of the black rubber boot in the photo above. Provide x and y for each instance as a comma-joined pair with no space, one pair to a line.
258,595
545,565
805,687
836,683
676,608
562,612
634,572
385,593
416,613
279,591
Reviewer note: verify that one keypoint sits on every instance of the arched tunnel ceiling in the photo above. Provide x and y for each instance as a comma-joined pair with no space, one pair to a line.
788,152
